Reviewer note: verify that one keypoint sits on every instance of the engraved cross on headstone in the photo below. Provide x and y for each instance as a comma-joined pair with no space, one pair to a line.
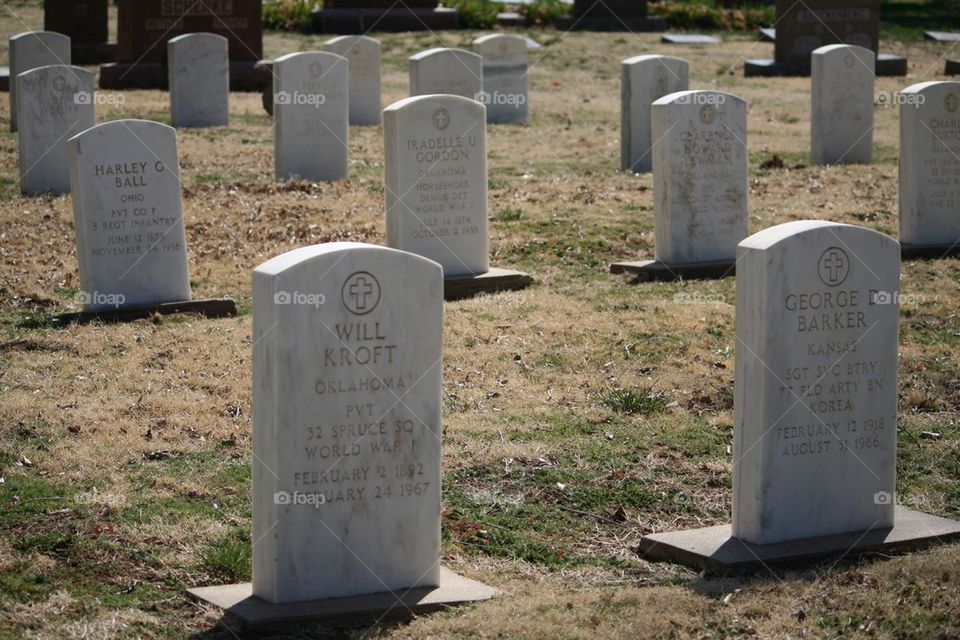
834,264
361,290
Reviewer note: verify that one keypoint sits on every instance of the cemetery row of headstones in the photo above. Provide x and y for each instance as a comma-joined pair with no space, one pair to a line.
347,380
348,338
695,143
435,173
348,422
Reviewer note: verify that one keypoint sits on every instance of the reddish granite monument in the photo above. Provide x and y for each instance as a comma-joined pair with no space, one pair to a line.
361,16
86,23
611,15
145,26
802,27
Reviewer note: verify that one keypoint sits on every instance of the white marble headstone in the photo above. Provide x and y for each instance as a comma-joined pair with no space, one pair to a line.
199,72
841,116
56,103
436,181
699,176
930,164
504,77
815,406
346,422
363,53
30,50
311,116
450,71
128,216
643,80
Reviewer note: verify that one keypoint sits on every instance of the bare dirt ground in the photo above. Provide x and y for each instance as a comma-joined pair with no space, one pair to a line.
579,414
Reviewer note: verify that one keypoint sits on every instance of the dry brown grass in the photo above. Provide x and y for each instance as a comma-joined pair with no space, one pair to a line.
525,379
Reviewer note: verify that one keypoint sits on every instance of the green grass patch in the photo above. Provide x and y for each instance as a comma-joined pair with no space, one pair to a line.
635,401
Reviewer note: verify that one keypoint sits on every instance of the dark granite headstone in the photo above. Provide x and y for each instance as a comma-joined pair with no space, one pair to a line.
805,26
145,27
86,23
361,16
611,15
802,27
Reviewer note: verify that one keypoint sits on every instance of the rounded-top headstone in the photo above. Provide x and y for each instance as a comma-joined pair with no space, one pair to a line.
815,400
930,164
128,215
57,104
645,79
311,115
30,50
451,71
842,103
363,54
504,77
347,424
435,167
199,73
699,176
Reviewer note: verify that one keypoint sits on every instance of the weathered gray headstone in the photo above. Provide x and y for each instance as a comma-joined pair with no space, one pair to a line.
347,422
449,71
841,118
311,116
199,69
30,50
56,103
699,176
816,382
363,54
436,181
645,79
504,77
930,166
815,407
128,216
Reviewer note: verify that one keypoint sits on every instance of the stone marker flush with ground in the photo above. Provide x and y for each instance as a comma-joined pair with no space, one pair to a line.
448,71
504,77
700,186
841,113
815,404
435,169
363,55
644,79
199,68
347,429
311,116
57,103
31,50
930,169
